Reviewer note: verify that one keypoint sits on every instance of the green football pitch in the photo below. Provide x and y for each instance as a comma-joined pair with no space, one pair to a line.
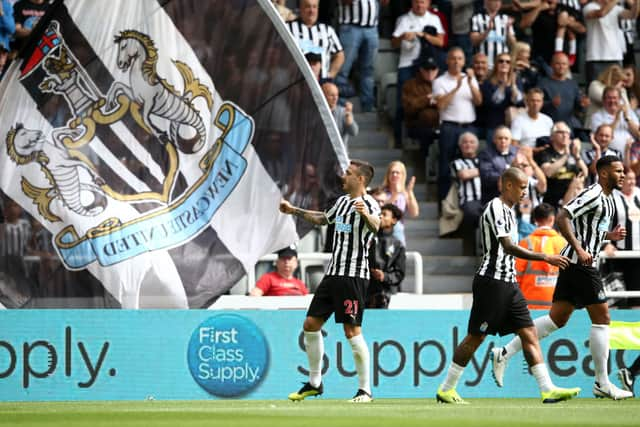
323,413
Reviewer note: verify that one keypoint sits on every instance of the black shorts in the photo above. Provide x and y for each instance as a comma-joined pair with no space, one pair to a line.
344,296
580,285
498,307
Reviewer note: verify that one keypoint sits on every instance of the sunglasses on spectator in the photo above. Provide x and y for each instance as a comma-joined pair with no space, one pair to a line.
504,61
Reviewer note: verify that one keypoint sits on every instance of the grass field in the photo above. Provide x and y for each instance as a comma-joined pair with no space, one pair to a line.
323,413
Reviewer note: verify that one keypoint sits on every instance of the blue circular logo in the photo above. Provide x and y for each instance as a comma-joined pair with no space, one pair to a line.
228,355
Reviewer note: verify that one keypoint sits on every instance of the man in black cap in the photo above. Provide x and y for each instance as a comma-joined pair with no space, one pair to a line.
282,281
420,108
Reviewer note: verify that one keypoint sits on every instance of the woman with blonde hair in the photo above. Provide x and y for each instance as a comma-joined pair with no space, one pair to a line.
611,76
526,71
400,194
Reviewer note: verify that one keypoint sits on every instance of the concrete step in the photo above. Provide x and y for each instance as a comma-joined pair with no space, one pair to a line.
367,121
375,154
370,139
449,265
446,284
421,228
428,210
433,246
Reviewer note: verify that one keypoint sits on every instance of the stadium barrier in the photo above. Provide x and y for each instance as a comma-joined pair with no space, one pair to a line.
619,255
48,355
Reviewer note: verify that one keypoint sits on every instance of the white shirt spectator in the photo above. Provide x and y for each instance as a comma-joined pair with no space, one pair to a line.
526,130
411,23
461,108
605,40
621,133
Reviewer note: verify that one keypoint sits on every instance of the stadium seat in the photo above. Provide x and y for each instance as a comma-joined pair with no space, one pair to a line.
313,276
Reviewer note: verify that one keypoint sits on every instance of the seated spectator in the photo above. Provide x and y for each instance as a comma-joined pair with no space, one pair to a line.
466,177
343,115
627,214
531,124
400,195
493,161
7,29
526,70
562,98
410,29
388,261
611,76
632,86
312,34
561,163
282,281
492,31
619,116
420,108
600,141
499,92
537,279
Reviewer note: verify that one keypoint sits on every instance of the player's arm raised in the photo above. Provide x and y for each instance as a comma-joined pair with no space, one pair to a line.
314,217
520,252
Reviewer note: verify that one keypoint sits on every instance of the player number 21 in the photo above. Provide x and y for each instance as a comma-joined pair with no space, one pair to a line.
351,306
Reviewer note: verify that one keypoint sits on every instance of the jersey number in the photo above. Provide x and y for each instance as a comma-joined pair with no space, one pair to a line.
351,307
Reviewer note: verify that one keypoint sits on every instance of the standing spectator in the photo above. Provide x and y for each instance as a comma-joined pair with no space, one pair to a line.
494,160
281,282
561,163
600,140
465,173
27,13
7,29
400,195
492,31
457,94
604,37
480,65
342,291
388,261
311,34
627,215
421,110
537,279
461,13
285,13
358,20
531,124
526,70
562,96
619,116
15,232
629,33
499,92
417,24
343,115
498,305
632,86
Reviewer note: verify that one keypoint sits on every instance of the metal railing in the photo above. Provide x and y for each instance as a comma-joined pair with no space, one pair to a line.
618,254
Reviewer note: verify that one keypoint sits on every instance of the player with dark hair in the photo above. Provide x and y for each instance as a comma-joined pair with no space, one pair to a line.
498,304
342,291
584,222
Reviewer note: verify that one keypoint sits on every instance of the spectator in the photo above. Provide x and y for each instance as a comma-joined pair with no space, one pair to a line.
7,29
421,110
282,281
627,214
537,279
632,86
380,195
537,185
466,176
14,237
493,161
526,70
285,13
600,142
388,260
343,115
480,65
562,96
456,95
492,31
26,13
604,36
499,92
316,36
619,116
611,76
570,27
462,10
561,163
531,124
417,24
358,20
629,33
400,195
315,62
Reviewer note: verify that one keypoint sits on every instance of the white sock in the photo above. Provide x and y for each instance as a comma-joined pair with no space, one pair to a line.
453,375
559,44
541,374
599,346
314,345
544,326
361,359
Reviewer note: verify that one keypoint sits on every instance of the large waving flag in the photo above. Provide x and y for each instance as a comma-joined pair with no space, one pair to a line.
154,138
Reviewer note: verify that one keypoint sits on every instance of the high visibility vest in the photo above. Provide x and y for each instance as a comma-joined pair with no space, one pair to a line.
537,279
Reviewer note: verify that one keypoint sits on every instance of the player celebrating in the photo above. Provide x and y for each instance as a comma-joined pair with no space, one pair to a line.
343,289
579,285
498,304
